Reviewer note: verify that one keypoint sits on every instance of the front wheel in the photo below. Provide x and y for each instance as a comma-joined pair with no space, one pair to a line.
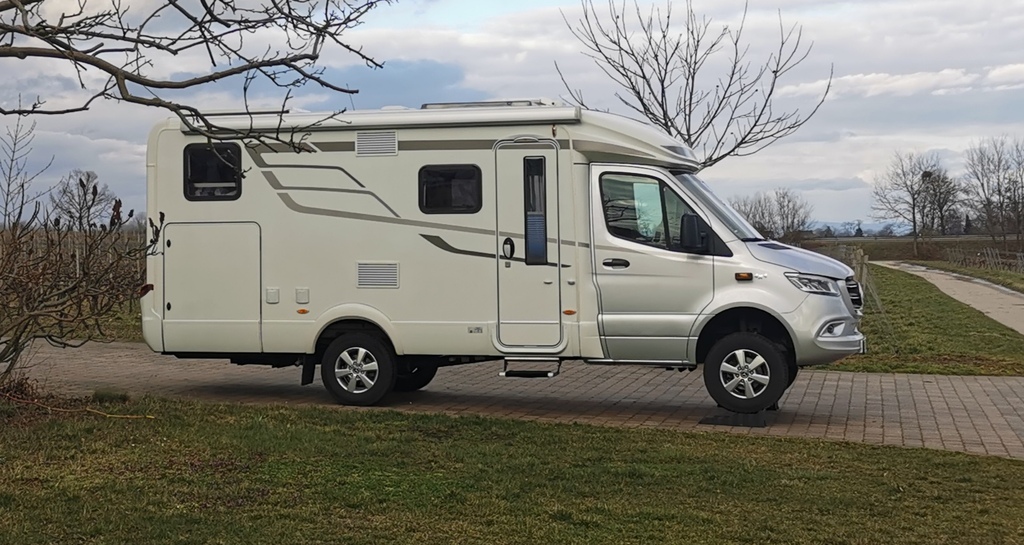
746,373
358,369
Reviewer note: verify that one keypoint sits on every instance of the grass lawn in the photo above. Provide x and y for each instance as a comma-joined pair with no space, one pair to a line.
1008,279
930,332
242,474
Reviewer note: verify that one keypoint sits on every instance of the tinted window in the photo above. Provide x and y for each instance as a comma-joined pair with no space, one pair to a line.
451,189
642,210
213,173
535,195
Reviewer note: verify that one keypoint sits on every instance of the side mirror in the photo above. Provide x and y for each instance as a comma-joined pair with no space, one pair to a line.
691,237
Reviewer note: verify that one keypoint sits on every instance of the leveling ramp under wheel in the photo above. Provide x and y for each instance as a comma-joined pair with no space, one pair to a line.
531,373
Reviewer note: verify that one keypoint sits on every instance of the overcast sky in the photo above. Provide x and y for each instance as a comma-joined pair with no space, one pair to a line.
914,75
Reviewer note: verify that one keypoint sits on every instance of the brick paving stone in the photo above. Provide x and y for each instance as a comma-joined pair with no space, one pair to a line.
981,415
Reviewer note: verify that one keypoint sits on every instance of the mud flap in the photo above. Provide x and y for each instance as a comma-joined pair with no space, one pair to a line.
308,369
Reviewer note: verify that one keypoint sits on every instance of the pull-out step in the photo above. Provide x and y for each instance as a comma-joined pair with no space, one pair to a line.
531,373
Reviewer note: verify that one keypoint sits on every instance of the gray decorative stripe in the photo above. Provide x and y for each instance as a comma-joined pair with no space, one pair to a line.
335,146
278,147
467,145
276,184
302,209
258,159
444,245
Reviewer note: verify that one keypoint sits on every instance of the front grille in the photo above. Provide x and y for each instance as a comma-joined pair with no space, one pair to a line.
853,288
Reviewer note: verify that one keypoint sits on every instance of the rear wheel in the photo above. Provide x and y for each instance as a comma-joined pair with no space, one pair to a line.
358,369
415,375
746,373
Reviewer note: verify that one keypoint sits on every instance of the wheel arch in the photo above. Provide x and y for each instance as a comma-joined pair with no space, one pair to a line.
353,317
740,319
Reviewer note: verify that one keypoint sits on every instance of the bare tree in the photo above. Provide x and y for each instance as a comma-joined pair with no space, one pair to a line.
899,194
758,209
942,196
988,166
56,282
80,200
120,52
694,82
793,213
782,214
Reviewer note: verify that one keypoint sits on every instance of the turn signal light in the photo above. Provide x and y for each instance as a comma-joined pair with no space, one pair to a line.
303,311
569,312
745,277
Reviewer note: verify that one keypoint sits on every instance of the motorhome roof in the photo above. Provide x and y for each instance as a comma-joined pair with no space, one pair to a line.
601,135
512,112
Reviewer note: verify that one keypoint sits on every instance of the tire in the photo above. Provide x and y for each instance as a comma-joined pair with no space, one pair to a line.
358,369
793,370
731,384
417,377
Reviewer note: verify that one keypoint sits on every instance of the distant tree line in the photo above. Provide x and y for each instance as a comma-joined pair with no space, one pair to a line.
781,214
987,198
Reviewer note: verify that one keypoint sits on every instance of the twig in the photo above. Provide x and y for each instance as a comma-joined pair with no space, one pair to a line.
83,410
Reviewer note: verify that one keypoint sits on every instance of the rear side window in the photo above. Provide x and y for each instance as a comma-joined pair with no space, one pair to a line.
451,189
213,173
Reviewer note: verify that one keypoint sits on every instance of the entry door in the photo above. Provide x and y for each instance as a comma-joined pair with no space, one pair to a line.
212,288
651,291
529,261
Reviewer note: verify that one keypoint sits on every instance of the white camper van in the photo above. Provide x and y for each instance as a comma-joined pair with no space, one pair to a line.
402,240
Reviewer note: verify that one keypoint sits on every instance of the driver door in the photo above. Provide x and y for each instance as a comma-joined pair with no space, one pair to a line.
651,291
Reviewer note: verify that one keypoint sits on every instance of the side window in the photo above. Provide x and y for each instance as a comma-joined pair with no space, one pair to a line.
213,173
535,193
451,189
675,209
643,210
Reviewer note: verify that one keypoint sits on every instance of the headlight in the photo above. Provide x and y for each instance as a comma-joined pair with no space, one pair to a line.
814,284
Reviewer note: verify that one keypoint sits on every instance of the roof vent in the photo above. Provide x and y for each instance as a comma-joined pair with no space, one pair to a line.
376,144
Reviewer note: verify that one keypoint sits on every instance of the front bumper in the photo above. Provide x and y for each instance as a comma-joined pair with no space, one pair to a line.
813,343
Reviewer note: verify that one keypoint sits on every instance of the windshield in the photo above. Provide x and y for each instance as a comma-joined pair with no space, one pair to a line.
732,219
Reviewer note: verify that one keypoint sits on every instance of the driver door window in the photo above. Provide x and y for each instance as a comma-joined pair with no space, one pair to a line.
643,210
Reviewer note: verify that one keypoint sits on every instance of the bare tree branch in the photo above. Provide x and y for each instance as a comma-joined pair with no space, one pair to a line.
665,76
114,52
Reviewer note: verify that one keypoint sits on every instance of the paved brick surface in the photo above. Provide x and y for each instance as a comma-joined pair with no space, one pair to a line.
981,415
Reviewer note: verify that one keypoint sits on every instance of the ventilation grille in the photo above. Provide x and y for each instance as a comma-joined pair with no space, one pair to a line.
378,275
376,144
856,296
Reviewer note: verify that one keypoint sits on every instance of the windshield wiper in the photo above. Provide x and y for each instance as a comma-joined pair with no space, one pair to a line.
753,239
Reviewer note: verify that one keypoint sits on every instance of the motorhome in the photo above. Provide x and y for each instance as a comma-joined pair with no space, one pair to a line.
392,242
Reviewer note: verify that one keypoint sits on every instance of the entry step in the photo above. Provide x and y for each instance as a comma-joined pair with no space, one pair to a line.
533,371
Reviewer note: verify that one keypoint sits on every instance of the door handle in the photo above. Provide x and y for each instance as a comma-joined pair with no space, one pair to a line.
616,263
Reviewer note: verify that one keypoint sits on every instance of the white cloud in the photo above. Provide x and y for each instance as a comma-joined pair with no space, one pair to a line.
1010,73
870,85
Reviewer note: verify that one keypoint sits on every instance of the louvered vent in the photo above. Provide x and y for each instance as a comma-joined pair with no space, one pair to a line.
376,144
856,295
378,275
